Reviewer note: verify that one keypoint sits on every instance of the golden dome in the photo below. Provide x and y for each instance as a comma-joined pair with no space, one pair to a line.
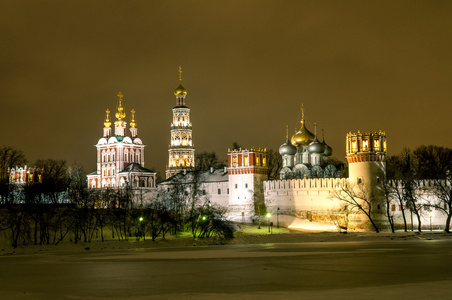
107,122
303,137
180,91
133,124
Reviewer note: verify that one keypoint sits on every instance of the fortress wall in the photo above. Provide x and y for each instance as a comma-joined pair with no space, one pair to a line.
304,198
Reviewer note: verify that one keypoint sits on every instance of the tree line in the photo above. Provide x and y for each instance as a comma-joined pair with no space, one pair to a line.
62,207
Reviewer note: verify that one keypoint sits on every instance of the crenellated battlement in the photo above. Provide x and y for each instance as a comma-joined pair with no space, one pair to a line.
366,142
311,183
244,161
422,183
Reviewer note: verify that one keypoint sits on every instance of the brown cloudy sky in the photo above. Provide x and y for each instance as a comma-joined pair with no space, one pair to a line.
248,66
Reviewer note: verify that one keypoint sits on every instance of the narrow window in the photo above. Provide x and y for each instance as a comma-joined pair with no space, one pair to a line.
219,191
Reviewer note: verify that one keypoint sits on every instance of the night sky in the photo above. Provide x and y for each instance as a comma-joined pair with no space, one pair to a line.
247,66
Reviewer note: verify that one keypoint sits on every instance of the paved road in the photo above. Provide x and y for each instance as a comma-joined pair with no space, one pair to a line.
357,270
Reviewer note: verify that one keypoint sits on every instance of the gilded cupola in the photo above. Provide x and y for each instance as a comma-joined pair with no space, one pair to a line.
180,91
303,137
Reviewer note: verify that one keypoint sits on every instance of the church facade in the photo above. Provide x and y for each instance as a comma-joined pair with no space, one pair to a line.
120,155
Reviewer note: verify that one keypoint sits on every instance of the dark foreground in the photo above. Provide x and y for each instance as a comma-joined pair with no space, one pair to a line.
412,269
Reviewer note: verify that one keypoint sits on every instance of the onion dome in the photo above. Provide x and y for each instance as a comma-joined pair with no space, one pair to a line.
107,122
287,149
328,150
303,137
120,114
180,91
133,124
316,147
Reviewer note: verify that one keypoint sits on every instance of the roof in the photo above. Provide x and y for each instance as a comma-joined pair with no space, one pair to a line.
205,176
136,168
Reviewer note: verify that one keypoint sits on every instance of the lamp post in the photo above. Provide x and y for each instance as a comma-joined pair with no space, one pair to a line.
268,221
140,233
430,213
277,218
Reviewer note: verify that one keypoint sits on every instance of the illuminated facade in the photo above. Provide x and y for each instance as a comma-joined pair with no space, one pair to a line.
181,150
234,187
366,155
304,156
247,171
23,175
120,157
308,200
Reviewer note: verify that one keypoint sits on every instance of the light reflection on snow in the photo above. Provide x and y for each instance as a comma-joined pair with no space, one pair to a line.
298,224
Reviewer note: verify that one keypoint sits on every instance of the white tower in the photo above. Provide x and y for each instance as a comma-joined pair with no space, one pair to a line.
247,170
181,150
366,156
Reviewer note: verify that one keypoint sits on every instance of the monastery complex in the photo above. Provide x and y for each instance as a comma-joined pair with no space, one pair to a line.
305,195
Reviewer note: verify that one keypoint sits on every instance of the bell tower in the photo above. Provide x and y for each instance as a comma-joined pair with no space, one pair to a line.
181,150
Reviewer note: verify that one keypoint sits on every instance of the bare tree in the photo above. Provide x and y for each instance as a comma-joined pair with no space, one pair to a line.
258,201
357,198
205,160
391,187
10,157
54,181
434,163
274,164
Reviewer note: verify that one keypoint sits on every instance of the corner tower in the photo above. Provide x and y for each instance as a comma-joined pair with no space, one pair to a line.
366,157
181,150
247,170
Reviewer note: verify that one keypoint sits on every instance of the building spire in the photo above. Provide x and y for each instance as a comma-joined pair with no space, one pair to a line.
180,92
287,132
133,124
107,122
120,114
302,112
180,74
315,129
120,125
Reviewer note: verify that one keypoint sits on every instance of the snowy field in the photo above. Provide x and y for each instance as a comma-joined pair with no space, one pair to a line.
255,265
